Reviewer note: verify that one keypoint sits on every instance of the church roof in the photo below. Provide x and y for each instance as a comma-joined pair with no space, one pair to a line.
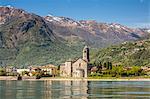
78,59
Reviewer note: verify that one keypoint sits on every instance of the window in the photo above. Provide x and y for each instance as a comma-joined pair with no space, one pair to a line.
79,64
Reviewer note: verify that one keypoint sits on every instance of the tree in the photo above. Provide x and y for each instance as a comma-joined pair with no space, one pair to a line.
2,72
110,66
136,70
105,65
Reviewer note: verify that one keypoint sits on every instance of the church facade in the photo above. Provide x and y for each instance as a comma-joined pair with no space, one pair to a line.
76,68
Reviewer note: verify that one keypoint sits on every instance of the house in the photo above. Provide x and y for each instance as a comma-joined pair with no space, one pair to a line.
48,69
22,70
76,68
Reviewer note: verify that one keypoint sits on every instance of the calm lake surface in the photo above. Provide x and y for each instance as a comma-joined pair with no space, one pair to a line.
74,89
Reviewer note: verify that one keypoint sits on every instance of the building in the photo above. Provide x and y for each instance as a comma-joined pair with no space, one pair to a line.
48,69
76,68
22,70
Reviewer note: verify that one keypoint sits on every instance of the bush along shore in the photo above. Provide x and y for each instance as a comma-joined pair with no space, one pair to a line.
108,70
97,71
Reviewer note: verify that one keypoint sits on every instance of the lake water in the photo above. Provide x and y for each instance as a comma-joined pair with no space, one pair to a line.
74,89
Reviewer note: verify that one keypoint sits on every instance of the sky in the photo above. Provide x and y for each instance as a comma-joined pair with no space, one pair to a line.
132,13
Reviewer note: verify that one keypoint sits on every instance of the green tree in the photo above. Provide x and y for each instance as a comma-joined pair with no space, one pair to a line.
110,66
2,72
105,65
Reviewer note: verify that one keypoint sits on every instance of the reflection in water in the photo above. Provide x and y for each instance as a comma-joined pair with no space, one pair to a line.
73,89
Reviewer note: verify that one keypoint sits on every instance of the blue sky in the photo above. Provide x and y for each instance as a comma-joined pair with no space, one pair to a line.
133,13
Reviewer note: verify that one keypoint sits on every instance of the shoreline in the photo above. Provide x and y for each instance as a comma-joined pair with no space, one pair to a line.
7,78
94,79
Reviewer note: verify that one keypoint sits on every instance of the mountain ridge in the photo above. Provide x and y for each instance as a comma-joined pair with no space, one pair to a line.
93,32
29,39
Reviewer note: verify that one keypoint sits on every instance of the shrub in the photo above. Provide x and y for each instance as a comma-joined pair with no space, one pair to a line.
2,72
38,76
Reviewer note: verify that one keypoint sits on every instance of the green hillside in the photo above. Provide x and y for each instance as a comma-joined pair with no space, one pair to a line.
53,53
127,54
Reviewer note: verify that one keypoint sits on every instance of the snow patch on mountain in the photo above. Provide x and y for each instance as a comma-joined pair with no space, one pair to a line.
53,18
64,21
148,31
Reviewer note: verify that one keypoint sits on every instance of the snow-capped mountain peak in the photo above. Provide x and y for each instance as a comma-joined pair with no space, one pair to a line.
51,18
62,20
115,25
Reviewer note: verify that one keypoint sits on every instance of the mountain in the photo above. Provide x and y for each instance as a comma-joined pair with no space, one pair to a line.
128,54
19,27
93,33
29,39
26,39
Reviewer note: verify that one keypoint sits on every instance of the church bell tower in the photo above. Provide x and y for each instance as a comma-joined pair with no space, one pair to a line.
86,54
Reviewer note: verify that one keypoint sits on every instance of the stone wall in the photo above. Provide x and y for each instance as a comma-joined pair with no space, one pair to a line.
79,68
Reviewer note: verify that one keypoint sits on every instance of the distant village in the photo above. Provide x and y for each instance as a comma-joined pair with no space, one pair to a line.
78,68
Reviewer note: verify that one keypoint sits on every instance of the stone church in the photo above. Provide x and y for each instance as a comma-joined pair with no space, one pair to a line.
76,68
